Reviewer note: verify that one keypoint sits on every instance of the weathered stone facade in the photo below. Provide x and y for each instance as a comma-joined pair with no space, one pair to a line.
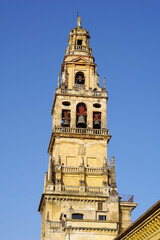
80,198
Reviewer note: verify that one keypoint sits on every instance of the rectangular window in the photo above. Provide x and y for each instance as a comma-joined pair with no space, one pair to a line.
77,216
100,206
79,42
102,217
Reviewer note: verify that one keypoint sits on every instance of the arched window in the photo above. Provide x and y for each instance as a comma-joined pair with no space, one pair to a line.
95,91
79,78
77,216
81,115
65,118
97,120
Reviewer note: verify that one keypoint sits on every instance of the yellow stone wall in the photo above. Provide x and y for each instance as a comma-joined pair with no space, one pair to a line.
74,100
72,149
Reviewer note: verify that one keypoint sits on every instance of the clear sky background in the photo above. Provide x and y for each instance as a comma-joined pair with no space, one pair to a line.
125,38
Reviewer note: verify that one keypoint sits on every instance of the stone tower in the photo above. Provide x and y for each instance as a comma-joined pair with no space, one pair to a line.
80,198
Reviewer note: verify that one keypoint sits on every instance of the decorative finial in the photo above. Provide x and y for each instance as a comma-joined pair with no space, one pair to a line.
105,161
104,83
108,163
113,174
78,20
50,170
96,69
58,80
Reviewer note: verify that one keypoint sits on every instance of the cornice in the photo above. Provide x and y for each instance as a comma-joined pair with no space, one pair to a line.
75,135
69,197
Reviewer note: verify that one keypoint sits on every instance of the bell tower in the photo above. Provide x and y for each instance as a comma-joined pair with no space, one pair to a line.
80,198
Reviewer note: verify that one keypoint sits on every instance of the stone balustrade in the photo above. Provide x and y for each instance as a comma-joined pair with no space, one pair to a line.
81,130
80,48
54,225
76,90
94,189
77,189
70,169
94,170
88,170
106,225
70,188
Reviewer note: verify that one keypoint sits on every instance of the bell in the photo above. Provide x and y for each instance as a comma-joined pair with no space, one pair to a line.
81,122
66,123
96,124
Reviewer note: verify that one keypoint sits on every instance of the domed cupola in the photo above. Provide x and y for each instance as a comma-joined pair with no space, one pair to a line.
79,41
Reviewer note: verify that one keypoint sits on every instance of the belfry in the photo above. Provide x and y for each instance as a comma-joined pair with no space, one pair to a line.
80,198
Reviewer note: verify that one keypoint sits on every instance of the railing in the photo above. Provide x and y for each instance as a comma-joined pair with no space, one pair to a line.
70,169
79,47
93,170
76,189
127,198
86,169
55,224
81,130
76,89
70,188
94,189
79,86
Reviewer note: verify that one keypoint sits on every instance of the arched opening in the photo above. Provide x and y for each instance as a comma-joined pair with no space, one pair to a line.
79,78
81,115
77,216
97,120
65,118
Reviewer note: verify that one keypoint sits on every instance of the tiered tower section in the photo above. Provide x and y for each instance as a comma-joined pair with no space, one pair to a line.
80,199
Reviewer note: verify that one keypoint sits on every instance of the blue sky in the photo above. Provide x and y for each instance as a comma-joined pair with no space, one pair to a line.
125,38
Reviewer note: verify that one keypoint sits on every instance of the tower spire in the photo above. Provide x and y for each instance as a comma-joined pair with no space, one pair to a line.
50,175
104,82
113,174
78,20
58,80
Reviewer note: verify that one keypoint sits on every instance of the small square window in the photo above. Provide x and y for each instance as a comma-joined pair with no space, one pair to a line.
102,217
79,42
100,206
